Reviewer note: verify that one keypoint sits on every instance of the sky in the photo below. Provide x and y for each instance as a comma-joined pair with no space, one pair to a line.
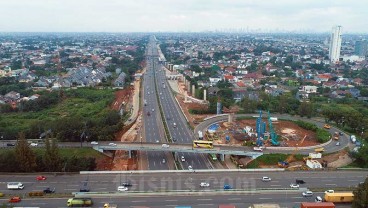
183,15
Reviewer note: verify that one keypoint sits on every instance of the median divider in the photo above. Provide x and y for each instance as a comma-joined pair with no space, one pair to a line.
184,171
163,192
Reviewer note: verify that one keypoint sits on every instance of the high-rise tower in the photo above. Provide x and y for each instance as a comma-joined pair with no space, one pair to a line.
335,44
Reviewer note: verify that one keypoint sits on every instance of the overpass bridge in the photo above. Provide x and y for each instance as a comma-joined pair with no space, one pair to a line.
221,150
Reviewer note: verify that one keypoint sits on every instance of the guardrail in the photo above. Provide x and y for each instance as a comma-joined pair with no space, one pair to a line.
184,171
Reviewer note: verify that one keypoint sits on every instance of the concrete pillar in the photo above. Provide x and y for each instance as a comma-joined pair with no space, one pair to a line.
188,86
185,96
222,157
193,90
184,80
130,153
204,95
230,119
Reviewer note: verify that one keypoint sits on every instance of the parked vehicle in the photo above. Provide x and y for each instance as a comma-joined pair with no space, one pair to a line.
339,197
10,145
353,139
127,184
79,202
108,205
15,185
123,188
112,144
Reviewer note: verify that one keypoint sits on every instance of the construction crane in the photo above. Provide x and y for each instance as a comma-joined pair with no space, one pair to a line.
260,128
273,134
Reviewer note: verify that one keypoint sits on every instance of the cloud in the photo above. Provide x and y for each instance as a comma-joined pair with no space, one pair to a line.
181,15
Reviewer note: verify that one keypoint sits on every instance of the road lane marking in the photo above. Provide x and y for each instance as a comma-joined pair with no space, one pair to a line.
297,197
275,185
234,199
330,184
204,199
265,198
139,201
205,204
171,200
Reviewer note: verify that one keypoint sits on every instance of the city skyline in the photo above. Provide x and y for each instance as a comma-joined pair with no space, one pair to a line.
182,16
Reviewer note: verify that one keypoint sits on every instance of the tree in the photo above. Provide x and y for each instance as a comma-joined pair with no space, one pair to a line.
24,155
361,195
52,159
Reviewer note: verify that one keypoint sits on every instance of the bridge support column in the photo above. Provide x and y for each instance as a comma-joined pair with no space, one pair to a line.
130,153
222,157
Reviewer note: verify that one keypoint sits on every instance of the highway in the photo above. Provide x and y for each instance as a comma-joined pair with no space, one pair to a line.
184,180
153,126
180,133
285,199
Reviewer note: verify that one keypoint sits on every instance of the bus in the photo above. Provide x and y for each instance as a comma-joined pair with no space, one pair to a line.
213,157
202,144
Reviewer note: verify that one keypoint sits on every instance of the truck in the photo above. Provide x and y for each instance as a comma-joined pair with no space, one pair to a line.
273,119
108,205
339,197
79,202
336,136
265,206
226,206
15,186
313,155
317,205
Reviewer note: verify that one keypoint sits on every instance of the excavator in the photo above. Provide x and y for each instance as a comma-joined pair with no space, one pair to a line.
285,163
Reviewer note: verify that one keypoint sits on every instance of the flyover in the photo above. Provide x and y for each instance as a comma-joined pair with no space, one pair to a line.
184,148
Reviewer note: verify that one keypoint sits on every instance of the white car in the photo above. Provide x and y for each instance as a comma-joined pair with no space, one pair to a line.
190,168
259,149
265,178
165,145
34,144
153,110
204,184
293,185
123,188
94,143
112,144
307,193
182,158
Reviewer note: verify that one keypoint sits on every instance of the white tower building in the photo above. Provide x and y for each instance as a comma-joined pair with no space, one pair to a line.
335,44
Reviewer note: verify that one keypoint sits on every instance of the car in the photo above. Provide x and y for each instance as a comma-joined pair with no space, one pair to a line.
148,93
321,149
318,199
160,93
299,181
112,144
40,178
307,193
173,139
326,126
163,161
293,185
265,178
165,146
329,191
182,158
15,199
94,143
48,190
204,184
259,149
157,141
1,194
10,145
341,134
123,188
153,110
34,144
190,168
337,143
126,184
227,186
174,125
148,113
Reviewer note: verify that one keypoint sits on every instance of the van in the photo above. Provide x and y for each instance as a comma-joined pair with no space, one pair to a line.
15,186
174,125
318,199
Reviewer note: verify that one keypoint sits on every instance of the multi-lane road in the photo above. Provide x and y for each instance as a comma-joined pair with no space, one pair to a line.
152,121
163,181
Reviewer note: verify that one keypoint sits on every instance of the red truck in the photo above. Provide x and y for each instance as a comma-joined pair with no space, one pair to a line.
226,206
317,205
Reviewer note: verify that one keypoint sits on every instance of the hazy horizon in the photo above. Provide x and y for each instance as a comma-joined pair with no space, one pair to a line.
283,16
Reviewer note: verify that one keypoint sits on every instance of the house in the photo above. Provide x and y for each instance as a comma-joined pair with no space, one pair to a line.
12,95
239,94
229,78
309,89
120,81
322,77
214,80
354,92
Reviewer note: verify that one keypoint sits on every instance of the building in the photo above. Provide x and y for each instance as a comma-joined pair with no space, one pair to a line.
361,48
335,44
